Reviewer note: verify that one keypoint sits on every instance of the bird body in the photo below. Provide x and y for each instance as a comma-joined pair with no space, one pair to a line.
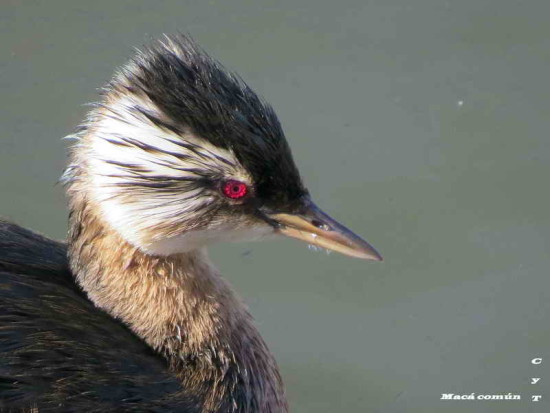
130,314
59,352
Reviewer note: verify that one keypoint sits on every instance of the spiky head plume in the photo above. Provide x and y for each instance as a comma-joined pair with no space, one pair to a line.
174,126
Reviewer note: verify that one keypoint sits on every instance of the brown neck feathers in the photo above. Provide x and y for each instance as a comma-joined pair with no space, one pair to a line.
184,310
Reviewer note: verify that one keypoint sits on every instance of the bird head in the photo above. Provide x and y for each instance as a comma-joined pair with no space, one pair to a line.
181,153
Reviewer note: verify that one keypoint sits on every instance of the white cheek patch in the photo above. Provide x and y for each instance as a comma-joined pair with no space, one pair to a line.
127,150
122,125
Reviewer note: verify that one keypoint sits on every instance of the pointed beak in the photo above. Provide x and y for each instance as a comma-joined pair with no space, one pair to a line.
315,227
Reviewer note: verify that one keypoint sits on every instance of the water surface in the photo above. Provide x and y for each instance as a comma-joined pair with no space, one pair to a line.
421,125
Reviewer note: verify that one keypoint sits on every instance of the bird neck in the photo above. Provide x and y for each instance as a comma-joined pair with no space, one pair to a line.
183,309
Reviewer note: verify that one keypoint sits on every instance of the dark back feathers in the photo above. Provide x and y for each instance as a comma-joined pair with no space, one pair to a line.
61,353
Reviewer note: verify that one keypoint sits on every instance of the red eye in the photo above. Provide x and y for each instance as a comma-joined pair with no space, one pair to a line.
234,189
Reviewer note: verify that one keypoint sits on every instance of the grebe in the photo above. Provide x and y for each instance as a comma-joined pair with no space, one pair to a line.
130,314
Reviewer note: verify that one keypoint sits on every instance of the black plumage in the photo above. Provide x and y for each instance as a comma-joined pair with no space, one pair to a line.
195,91
58,351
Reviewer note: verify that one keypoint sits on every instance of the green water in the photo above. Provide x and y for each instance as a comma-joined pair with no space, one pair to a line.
422,125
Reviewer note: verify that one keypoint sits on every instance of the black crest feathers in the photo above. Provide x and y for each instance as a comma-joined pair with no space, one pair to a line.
195,92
